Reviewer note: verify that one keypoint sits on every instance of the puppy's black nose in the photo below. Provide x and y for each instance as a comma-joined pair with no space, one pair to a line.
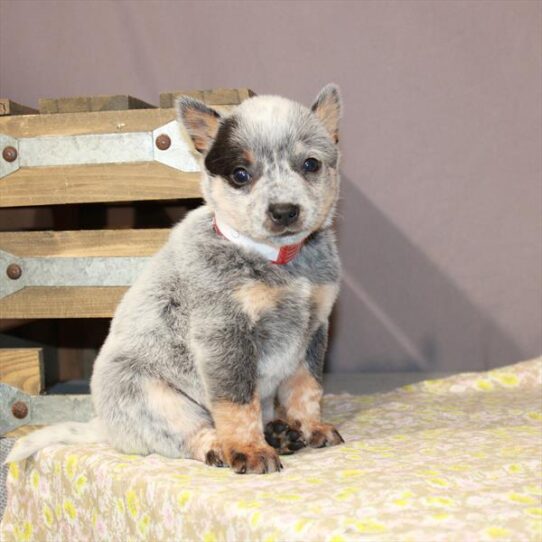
283,214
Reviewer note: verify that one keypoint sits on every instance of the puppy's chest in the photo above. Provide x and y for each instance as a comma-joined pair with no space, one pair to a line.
284,317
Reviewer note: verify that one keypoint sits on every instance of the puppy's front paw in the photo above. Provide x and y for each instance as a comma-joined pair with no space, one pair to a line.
253,459
323,434
214,458
283,437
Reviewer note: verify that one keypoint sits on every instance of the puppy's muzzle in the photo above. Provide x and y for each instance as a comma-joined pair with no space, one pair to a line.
283,214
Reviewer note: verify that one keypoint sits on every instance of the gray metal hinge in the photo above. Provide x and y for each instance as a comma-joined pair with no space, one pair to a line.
18,408
164,144
47,271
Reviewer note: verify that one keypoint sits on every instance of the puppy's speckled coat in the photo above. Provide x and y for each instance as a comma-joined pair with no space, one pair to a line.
213,340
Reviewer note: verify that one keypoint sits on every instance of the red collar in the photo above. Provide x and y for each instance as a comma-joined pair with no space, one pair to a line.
280,256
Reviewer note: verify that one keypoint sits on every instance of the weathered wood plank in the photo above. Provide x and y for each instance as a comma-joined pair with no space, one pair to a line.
97,122
245,93
9,107
214,97
22,368
221,96
84,243
62,302
97,183
82,104
167,99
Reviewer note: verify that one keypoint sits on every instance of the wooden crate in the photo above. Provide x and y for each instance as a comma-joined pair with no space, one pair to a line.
71,158
97,301
81,151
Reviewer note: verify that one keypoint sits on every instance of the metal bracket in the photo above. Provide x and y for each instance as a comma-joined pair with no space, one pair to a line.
99,271
8,166
164,144
18,408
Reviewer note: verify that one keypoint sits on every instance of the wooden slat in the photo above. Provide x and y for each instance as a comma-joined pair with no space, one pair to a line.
62,302
83,104
167,99
97,183
221,96
99,122
245,93
137,120
84,243
22,368
8,107
214,97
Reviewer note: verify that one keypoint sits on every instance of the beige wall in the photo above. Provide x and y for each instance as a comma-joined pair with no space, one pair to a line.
440,221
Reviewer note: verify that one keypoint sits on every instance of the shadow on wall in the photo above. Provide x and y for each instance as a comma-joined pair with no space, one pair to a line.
397,311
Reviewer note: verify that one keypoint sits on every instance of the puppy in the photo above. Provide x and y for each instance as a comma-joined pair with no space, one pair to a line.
224,333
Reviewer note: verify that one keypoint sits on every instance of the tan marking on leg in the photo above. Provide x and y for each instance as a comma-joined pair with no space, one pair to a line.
323,296
181,414
242,423
240,433
300,396
256,298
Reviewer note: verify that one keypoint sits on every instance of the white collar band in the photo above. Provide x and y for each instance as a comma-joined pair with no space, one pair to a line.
280,256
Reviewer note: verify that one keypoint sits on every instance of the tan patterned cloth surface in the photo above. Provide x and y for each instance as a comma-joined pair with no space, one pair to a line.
457,459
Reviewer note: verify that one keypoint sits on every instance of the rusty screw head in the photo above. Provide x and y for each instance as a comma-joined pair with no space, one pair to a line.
9,154
14,271
163,142
19,410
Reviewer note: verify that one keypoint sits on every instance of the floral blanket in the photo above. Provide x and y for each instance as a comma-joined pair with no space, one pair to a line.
457,459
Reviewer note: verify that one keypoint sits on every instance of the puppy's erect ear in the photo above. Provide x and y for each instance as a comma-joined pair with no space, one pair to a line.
328,108
201,122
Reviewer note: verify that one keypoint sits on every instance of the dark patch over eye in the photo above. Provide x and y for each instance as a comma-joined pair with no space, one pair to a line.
226,153
240,176
227,157
311,165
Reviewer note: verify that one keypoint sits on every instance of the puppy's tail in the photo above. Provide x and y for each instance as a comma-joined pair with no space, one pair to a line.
60,433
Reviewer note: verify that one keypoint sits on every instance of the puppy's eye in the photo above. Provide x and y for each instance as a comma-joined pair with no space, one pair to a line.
240,176
311,165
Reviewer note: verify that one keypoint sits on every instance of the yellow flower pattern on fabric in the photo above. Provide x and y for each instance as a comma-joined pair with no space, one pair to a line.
69,509
80,483
71,465
431,461
35,479
209,536
132,503
497,532
24,533
508,380
48,516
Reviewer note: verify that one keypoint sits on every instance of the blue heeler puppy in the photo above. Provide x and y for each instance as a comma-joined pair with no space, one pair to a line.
215,353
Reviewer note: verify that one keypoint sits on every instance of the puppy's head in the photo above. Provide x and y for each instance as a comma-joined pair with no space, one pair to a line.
271,165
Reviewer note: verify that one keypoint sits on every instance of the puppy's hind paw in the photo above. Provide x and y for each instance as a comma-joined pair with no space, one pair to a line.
324,434
283,437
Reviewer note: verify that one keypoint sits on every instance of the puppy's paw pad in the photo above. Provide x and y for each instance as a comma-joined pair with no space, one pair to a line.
324,435
283,437
254,460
